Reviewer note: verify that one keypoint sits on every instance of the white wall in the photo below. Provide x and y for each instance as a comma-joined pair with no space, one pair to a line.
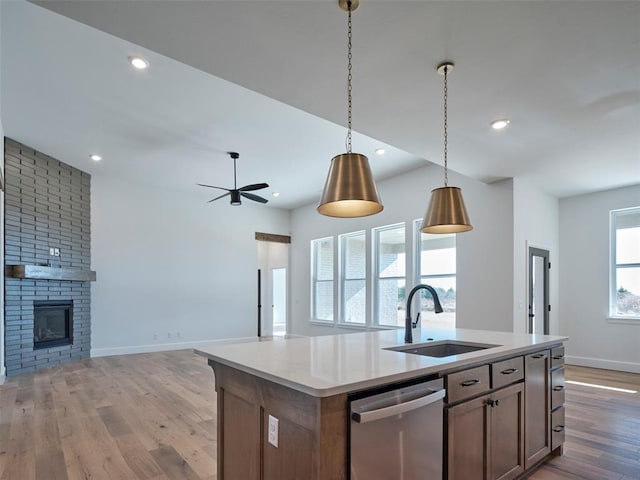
584,283
485,255
536,224
169,263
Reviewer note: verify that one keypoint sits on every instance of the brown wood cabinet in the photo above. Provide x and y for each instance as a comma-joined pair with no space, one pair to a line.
312,440
485,436
536,407
557,399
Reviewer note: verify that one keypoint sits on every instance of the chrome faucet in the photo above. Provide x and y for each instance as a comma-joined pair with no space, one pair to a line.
408,324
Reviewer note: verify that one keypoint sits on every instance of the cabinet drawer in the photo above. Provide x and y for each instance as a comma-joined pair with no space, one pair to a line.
507,372
557,428
557,388
467,383
557,357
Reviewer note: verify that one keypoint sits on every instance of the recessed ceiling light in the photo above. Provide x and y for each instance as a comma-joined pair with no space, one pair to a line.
95,157
380,151
276,194
500,124
138,62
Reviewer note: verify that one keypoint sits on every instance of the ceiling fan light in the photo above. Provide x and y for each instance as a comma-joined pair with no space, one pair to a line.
235,197
446,213
350,190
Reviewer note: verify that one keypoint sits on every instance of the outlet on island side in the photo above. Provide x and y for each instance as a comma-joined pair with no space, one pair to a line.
273,431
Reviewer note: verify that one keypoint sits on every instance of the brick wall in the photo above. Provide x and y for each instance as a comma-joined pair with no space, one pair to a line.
47,204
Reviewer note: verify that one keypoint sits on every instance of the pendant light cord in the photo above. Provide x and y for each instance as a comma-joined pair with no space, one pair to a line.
446,169
349,78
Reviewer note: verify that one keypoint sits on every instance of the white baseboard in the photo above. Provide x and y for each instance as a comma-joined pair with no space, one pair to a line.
602,363
162,347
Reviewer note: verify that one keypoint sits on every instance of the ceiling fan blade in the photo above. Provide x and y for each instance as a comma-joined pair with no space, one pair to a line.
254,186
255,198
221,196
212,186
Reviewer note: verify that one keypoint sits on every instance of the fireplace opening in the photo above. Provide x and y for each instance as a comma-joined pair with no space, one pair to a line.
52,323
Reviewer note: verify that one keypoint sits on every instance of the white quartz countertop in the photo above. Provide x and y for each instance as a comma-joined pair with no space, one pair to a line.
333,364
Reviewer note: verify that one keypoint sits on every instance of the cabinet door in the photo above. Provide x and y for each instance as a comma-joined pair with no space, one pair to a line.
536,407
467,439
506,433
239,436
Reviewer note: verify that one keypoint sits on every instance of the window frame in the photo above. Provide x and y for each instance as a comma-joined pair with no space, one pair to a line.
314,279
341,318
614,266
375,234
417,260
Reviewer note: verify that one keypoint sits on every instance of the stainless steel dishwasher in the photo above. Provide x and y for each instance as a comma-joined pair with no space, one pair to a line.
397,434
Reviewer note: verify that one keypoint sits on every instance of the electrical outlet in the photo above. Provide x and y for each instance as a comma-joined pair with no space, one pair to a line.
56,252
273,431
52,251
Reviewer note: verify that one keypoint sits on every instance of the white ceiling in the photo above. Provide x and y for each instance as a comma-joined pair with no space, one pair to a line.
267,78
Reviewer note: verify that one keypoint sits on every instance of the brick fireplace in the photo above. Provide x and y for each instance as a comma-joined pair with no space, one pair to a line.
47,310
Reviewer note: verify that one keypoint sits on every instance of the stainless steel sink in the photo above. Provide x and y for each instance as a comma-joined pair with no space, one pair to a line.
444,348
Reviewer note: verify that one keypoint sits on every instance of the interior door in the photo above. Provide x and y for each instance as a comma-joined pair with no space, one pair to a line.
273,262
539,291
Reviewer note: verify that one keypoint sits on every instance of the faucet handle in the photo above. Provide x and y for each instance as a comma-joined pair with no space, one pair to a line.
415,324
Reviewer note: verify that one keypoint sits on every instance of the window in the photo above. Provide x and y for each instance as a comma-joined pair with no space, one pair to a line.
625,263
322,274
354,278
390,271
436,266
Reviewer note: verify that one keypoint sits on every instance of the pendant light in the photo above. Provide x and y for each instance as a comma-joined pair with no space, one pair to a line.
446,212
349,190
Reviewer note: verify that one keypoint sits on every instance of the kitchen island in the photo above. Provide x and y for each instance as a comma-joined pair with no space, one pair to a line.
307,383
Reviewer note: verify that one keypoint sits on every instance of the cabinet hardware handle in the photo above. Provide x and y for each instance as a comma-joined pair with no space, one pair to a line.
539,355
559,428
493,403
468,383
559,388
558,357
509,371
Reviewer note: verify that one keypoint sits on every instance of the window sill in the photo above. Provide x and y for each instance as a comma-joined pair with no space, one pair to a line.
351,326
624,320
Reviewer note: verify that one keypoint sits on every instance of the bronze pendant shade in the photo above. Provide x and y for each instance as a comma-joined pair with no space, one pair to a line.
350,190
446,212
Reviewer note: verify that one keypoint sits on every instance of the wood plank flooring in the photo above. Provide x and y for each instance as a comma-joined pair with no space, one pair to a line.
152,416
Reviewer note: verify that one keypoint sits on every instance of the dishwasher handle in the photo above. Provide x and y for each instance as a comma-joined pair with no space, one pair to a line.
372,415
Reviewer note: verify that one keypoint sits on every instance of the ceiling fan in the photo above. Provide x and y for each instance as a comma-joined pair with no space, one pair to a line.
236,192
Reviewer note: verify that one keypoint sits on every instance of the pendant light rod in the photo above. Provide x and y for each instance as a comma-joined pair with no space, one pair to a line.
349,77
443,69
235,157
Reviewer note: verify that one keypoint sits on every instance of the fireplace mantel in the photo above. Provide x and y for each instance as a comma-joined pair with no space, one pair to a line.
39,272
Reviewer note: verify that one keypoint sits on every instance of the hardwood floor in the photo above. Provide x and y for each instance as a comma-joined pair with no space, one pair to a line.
603,428
148,416
152,416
